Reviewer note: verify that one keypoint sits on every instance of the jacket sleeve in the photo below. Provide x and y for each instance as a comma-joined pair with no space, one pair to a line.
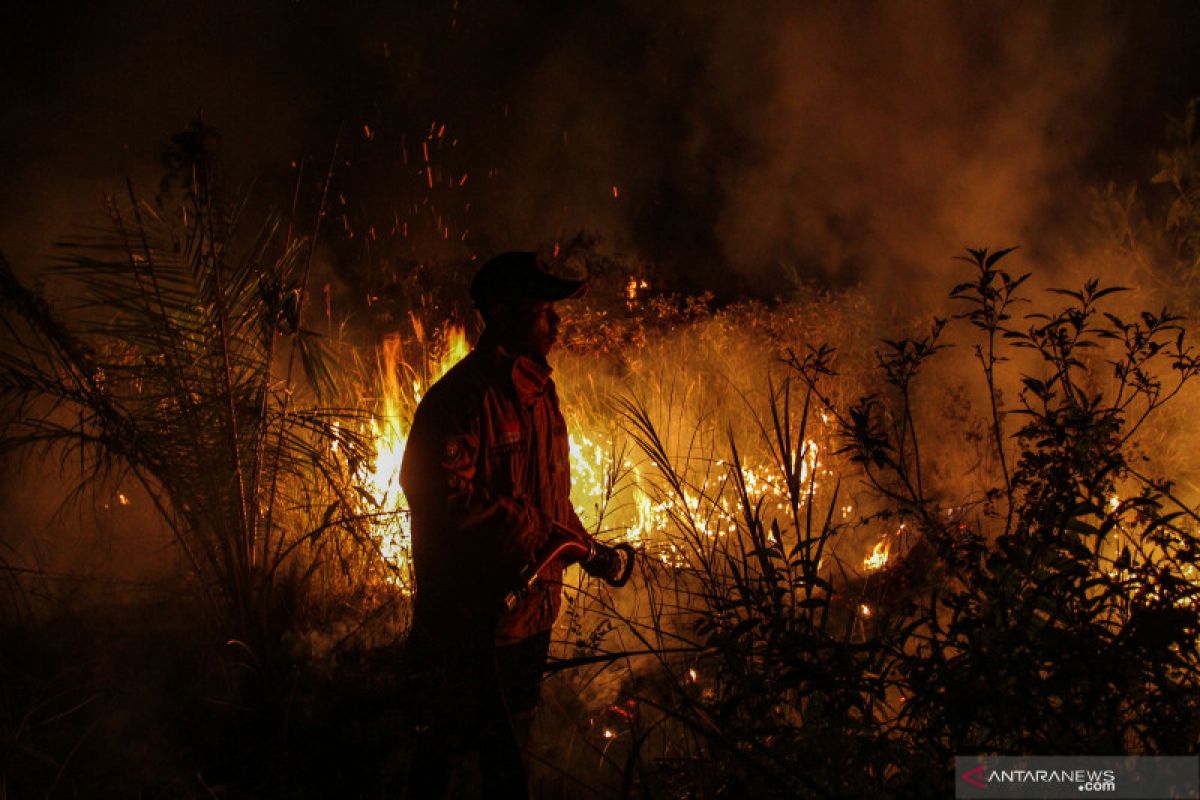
439,479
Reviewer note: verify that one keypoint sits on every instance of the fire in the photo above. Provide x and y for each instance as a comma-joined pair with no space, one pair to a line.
609,491
1135,567
589,471
644,511
456,350
389,431
632,287
879,556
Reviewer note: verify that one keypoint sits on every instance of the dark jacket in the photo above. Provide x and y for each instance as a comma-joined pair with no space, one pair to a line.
486,469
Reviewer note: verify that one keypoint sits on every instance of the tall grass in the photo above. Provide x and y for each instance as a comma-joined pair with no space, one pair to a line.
1048,604
1053,609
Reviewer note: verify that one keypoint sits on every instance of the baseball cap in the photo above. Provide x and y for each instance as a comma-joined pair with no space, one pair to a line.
521,275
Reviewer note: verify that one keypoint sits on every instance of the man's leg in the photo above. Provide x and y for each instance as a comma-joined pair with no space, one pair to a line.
518,677
429,775
500,764
448,709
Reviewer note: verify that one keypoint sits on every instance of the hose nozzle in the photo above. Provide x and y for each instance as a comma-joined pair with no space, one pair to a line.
613,564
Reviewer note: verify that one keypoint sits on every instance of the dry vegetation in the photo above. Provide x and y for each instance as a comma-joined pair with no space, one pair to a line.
860,557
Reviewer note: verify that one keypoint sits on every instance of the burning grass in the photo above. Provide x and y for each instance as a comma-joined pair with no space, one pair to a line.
855,563
816,598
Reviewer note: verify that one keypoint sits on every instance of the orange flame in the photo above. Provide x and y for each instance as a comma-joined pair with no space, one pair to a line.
632,287
879,556
389,431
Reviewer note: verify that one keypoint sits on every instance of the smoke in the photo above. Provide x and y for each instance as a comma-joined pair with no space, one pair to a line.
732,148
837,143
895,137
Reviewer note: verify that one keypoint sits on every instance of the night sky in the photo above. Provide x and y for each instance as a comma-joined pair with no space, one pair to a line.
837,142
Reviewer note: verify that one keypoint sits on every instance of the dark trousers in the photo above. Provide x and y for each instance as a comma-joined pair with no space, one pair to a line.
474,698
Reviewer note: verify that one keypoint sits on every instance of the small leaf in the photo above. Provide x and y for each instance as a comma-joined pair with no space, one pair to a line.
996,256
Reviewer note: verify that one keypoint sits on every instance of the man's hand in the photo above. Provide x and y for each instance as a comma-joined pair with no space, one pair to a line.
612,564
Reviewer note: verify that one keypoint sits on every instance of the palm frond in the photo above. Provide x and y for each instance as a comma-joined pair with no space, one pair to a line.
161,361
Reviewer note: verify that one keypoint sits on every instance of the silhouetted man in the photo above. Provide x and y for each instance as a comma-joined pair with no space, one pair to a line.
487,475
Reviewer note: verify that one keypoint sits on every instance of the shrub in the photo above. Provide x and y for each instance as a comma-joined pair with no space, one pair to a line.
1047,614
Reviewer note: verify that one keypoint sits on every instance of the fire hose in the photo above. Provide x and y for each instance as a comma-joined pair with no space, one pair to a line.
612,564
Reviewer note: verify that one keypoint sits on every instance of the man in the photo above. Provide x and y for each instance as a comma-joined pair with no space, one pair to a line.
487,475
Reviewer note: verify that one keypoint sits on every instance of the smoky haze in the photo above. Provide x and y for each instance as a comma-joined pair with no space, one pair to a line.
731,148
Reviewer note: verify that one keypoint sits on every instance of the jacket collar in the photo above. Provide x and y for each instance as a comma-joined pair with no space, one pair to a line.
530,375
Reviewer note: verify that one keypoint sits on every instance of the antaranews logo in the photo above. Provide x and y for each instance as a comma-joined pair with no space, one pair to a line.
1076,776
975,776
1085,780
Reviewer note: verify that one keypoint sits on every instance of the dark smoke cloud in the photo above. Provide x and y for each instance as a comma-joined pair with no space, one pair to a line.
839,142
892,138
854,141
